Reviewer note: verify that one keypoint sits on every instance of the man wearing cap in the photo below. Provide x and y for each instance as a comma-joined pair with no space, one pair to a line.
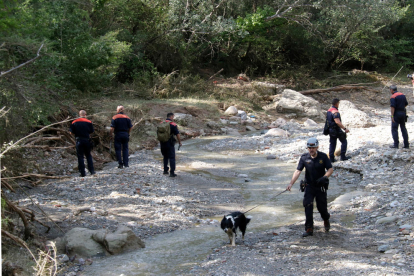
318,169
335,131
82,128
121,125
398,116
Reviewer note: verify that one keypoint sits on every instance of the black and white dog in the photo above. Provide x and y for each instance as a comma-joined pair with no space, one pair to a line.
231,222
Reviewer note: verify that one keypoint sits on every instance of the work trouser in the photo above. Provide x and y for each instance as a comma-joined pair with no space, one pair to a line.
335,134
168,152
121,148
399,118
83,148
312,193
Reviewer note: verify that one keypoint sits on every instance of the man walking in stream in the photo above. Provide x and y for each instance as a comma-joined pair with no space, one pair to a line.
316,182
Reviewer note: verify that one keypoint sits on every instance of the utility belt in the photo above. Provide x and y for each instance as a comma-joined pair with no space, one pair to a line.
82,139
92,144
322,183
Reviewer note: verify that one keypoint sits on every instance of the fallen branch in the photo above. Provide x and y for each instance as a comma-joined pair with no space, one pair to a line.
337,88
27,232
46,147
24,138
44,213
221,70
23,64
32,218
140,120
39,139
18,240
7,185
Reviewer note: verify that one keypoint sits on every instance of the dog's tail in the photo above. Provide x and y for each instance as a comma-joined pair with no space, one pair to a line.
248,218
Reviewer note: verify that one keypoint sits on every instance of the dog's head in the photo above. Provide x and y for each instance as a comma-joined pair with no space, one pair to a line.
227,224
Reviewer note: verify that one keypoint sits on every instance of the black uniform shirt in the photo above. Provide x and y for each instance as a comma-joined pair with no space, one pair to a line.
173,127
333,114
315,167
81,127
121,123
398,101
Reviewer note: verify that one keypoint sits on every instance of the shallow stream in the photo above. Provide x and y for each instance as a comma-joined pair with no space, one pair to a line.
177,252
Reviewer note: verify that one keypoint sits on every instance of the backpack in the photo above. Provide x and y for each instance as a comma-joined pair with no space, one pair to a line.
326,127
164,132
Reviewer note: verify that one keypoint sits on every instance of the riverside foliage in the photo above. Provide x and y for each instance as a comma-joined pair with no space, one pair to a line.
93,45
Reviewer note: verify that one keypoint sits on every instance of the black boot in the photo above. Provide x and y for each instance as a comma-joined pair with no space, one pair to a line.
327,225
344,158
309,232
172,174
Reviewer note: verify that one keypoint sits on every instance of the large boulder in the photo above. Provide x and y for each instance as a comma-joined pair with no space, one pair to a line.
277,132
122,240
351,116
266,88
182,119
79,241
90,243
302,106
232,111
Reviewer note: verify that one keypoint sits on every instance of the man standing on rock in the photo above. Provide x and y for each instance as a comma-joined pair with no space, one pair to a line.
398,116
121,125
82,128
335,131
167,148
318,169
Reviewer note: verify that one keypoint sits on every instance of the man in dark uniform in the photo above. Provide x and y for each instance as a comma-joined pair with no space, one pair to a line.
335,131
398,116
121,125
168,149
318,169
81,128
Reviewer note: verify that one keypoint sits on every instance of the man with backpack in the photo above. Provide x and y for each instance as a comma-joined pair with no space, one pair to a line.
166,133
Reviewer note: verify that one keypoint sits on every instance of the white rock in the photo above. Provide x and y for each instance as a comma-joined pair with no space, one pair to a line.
310,123
277,132
232,110
242,114
386,220
300,105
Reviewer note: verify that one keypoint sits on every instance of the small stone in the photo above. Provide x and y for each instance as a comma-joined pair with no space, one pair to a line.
386,220
406,227
383,248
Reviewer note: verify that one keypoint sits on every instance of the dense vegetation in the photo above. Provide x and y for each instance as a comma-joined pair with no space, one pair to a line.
92,46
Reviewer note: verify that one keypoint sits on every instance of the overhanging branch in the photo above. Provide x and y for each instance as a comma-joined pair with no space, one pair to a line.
23,64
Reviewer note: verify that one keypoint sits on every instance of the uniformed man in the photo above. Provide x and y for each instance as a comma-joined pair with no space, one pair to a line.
335,131
168,149
398,116
82,128
121,125
318,169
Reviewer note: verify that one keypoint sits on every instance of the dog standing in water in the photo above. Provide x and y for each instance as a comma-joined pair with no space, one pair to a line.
231,222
